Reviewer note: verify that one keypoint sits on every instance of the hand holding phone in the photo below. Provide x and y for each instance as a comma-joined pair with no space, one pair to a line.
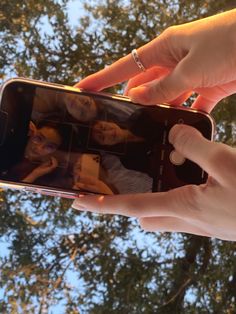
205,210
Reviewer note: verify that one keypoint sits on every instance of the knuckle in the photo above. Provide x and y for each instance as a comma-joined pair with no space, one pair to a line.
186,75
161,89
170,31
134,206
218,155
188,200
132,210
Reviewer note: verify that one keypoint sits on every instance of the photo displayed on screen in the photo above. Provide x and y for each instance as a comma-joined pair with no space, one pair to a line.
97,144
91,143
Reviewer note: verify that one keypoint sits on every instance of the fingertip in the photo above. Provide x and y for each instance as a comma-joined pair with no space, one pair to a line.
80,84
179,131
88,202
140,95
174,133
77,204
88,83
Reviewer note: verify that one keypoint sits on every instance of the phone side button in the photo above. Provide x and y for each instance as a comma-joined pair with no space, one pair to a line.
40,190
32,189
176,158
57,193
48,192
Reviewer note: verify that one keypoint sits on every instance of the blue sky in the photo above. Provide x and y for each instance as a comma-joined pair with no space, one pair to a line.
75,11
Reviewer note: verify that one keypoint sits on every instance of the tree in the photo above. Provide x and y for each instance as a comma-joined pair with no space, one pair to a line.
89,263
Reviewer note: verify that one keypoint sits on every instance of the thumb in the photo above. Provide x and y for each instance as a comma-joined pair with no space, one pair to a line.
190,143
166,89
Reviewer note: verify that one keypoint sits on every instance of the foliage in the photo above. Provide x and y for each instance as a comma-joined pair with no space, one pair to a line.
87,263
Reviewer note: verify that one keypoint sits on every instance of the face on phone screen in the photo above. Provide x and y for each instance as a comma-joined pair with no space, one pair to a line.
83,142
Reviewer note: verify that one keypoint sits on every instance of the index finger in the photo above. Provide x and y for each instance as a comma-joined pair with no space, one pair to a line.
174,203
125,68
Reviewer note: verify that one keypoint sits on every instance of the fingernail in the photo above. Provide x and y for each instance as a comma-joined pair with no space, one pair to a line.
77,205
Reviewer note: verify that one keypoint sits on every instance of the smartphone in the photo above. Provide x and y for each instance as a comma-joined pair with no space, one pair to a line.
53,137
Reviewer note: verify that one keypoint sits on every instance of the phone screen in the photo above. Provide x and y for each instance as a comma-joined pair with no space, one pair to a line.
86,142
